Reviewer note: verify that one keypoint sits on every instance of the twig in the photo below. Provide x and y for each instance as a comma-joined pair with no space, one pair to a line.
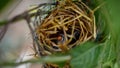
25,14
3,31
20,17
41,60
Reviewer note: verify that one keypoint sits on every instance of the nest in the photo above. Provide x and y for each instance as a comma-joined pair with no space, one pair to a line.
67,25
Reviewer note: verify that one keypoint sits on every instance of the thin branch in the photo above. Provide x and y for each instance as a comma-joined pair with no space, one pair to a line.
41,60
25,14
3,31
19,17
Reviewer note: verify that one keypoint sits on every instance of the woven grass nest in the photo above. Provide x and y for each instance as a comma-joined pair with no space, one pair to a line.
67,25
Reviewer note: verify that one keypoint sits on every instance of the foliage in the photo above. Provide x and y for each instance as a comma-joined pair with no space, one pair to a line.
3,3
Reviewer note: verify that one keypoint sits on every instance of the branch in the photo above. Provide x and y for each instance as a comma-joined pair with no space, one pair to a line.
50,59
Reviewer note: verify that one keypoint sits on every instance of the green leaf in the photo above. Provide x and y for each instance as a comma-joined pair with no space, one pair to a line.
114,17
91,55
107,56
85,56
